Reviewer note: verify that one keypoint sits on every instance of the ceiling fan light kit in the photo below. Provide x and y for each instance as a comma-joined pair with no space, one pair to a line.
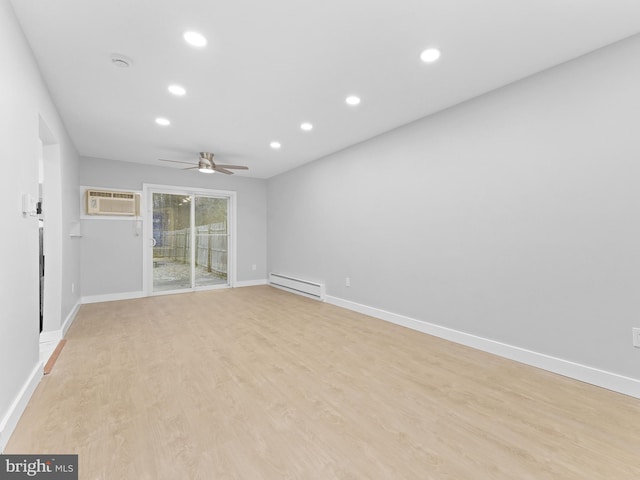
204,166
205,163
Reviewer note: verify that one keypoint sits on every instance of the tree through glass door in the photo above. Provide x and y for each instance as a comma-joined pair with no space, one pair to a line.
190,241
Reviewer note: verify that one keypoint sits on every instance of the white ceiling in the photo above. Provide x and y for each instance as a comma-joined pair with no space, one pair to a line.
270,65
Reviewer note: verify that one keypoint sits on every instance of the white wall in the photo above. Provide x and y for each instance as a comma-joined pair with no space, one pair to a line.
112,253
25,106
513,217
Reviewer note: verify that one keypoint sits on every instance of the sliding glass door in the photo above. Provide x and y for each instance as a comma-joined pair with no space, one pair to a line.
190,240
171,242
211,241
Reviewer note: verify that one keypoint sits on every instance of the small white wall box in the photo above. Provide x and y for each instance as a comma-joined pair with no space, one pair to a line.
106,202
29,206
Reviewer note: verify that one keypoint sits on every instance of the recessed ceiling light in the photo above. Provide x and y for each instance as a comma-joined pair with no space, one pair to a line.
306,126
275,145
430,55
177,90
195,39
163,121
352,100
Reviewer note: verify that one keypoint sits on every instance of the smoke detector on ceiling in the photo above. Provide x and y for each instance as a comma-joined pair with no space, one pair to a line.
121,61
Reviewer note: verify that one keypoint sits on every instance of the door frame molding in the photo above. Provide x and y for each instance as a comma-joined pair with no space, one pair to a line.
53,228
146,207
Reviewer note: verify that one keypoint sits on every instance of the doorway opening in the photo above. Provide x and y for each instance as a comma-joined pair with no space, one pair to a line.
50,232
41,230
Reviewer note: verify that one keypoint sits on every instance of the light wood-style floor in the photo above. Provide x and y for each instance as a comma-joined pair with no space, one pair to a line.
255,383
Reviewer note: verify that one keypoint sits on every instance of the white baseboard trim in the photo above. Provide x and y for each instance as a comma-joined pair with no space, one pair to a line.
601,378
10,420
112,297
251,283
70,318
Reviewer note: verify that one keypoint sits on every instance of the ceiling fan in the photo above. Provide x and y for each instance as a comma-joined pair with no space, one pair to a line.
207,165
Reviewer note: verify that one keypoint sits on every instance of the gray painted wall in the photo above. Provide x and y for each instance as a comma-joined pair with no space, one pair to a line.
514,216
112,254
25,100
111,257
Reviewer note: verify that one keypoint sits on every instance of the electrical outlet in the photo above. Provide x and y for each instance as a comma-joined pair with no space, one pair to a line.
73,287
636,337
347,282
253,267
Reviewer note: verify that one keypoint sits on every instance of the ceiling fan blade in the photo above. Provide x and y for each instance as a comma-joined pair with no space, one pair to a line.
175,161
222,170
237,167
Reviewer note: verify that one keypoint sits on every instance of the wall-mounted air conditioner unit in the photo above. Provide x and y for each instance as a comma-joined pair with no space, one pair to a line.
105,202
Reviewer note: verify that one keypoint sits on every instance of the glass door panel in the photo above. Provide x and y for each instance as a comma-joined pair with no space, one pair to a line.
172,265
211,241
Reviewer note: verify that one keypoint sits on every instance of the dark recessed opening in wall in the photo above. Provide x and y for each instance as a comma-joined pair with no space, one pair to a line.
41,233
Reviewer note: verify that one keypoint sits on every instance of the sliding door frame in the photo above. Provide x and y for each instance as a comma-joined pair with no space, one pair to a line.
146,207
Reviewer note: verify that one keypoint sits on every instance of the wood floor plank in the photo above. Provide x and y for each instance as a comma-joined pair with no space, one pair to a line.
255,383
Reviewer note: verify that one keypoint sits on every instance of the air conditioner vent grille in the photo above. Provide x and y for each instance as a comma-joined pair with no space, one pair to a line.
104,202
96,193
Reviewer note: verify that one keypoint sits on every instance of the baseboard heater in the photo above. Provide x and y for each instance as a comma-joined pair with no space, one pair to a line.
296,285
